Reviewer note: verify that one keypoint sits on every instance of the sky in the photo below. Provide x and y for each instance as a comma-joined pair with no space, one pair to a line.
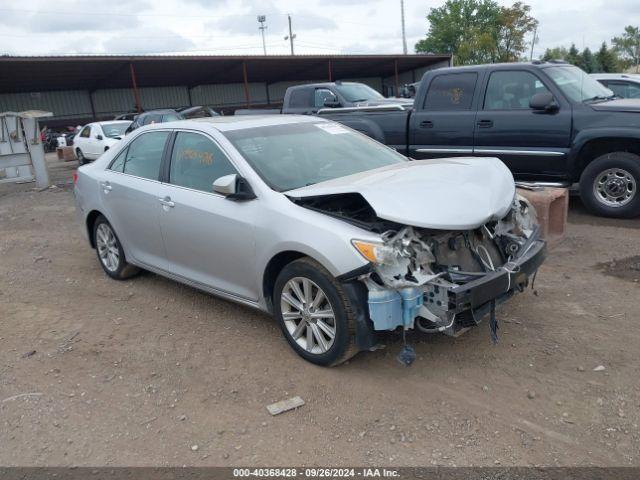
230,27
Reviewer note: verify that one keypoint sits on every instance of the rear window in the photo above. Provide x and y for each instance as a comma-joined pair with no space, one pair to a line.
451,92
300,98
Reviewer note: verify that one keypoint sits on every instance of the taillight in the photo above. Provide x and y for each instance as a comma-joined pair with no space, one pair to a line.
75,177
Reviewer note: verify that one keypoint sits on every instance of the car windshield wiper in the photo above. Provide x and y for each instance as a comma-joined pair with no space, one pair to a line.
599,98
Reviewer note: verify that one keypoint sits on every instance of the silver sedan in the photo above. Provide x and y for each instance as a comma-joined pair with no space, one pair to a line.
336,235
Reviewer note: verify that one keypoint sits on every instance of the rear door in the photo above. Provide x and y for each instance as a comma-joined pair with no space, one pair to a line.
444,124
130,192
531,143
209,239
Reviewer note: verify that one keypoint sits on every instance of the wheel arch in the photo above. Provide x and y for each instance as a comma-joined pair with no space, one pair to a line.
274,267
596,146
90,221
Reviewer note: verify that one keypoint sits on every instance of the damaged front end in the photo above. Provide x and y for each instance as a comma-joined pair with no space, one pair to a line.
445,280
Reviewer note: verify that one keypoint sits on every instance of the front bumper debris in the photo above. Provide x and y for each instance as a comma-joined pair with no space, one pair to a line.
392,308
495,284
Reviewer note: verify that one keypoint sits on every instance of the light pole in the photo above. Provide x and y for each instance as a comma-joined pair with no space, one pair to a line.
404,35
291,35
262,28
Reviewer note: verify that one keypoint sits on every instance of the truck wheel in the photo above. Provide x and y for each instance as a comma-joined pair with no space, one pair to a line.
609,185
314,313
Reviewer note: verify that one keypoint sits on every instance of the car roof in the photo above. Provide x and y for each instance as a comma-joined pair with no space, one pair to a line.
114,122
236,122
634,77
159,111
324,84
502,66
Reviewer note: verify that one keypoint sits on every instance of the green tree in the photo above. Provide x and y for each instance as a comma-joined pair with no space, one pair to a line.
628,46
588,62
607,60
556,53
573,56
513,24
478,31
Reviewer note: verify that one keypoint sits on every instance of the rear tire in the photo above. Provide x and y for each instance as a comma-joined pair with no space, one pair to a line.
609,185
324,331
109,250
81,158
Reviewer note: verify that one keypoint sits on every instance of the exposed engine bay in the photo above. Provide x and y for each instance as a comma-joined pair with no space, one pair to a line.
440,280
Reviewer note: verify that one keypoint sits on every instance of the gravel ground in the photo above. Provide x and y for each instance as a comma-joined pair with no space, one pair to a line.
148,372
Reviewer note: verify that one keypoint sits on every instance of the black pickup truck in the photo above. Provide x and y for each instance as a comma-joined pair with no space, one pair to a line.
547,121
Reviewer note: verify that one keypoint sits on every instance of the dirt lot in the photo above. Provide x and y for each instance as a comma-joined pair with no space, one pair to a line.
142,371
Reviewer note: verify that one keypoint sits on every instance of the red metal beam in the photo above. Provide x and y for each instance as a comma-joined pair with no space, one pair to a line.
136,94
246,83
395,65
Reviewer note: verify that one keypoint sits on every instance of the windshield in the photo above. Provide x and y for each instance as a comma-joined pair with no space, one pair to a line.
577,84
295,155
357,92
113,130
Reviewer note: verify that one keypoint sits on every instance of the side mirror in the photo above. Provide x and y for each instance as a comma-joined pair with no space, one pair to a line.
543,102
99,137
234,187
331,103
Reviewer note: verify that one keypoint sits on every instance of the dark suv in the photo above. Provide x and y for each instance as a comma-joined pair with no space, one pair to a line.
154,116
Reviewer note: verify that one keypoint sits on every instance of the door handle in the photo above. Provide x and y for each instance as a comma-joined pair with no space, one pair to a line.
106,186
485,123
166,202
426,124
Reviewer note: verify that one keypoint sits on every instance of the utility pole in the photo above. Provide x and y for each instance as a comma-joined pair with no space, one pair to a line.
291,35
262,28
404,35
533,42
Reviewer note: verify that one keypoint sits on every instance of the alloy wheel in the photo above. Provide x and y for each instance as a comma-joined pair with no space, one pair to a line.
107,246
308,315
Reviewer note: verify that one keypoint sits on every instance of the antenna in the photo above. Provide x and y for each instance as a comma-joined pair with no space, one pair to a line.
291,35
262,28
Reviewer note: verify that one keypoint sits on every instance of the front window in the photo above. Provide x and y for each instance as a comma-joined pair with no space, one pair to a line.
197,162
357,92
578,85
296,155
512,90
114,130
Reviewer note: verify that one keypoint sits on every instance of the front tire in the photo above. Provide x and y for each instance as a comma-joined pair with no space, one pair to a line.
81,158
609,185
110,253
314,313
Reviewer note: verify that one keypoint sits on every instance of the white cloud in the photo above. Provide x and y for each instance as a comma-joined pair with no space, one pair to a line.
38,27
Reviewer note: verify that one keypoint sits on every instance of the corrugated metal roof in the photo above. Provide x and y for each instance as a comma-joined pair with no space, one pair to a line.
96,72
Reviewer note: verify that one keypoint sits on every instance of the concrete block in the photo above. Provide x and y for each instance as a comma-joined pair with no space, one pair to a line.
552,207
66,153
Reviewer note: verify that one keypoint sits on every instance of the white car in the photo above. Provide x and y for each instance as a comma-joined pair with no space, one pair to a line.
625,85
96,138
